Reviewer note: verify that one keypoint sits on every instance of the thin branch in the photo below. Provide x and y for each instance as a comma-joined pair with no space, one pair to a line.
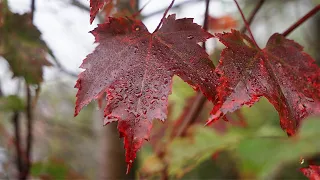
164,15
206,21
301,20
29,140
200,99
61,68
33,8
192,115
17,142
252,15
246,23
1,93
80,5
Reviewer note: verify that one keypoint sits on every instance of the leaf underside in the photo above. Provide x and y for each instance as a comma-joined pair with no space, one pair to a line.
281,72
135,69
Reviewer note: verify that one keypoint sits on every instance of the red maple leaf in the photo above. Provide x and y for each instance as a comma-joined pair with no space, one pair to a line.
312,172
135,69
95,6
281,72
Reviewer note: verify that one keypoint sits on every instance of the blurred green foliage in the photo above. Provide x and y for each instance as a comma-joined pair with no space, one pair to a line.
260,150
52,168
11,103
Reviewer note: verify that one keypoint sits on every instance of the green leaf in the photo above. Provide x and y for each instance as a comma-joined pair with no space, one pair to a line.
181,91
54,169
186,153
11,103
263,156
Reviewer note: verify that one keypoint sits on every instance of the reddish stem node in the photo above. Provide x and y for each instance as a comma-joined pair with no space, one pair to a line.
246,23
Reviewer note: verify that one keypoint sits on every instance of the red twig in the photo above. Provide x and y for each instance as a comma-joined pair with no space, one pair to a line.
246,23
301,20
164,15
252,15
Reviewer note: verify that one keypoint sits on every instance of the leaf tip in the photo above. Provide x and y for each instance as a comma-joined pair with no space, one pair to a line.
91,19
129,166
214,117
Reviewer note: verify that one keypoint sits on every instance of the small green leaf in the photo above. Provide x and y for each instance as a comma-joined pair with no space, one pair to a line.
11,103
186,153
53,168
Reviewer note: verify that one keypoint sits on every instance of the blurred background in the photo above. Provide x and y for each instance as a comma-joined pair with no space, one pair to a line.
251,145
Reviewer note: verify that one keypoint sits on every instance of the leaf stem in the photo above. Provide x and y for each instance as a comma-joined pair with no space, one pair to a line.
33,8
301,20
252,15
164,16
246,23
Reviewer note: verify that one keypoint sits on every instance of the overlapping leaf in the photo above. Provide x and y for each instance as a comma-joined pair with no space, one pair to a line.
95,6
282,72
135,69
21,46
312,172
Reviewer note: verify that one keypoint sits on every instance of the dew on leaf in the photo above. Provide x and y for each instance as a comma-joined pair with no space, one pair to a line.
139,66
190,37
269,78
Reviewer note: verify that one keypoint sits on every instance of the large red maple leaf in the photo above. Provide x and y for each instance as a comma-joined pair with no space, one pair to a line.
135,69
282,72
95,6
